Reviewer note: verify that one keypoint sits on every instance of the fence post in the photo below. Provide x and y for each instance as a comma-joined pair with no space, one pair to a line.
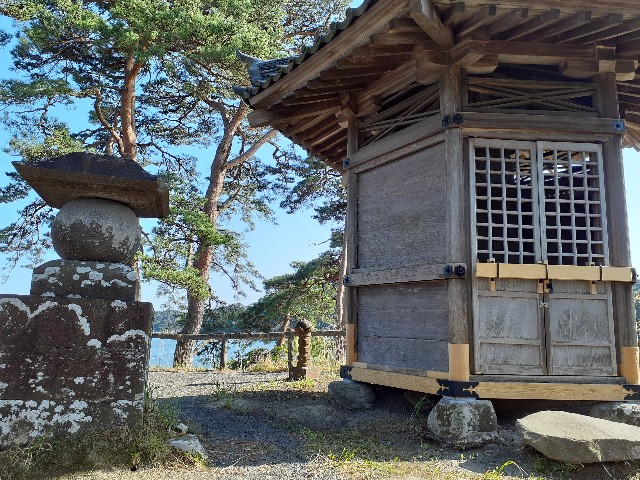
303,367
223,354
290,356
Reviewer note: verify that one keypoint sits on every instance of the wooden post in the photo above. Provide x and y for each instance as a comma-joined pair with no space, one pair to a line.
290,355
351,244
223,354
303,329
618,229
458,247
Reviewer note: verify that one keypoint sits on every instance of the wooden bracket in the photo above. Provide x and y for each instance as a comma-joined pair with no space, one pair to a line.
345,371
451,388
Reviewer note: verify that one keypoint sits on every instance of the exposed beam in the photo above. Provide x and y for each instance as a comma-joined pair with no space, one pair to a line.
591,28
425,15
372,21
537,53
510,20
629,26
262,118
358,72
456,13
608,6
533,25
486,15
400,38
376,50
558,28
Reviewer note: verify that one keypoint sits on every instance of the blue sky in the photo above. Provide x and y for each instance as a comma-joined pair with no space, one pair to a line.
295,237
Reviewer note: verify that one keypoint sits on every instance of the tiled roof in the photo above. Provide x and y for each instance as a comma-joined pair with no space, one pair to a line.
264,73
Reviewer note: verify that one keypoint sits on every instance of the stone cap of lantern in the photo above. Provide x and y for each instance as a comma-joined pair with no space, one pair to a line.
76,175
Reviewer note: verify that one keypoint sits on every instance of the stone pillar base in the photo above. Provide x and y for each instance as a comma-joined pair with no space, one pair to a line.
352,395
463,422
68,366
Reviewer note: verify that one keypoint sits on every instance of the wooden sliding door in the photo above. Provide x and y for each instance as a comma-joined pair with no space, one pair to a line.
540,203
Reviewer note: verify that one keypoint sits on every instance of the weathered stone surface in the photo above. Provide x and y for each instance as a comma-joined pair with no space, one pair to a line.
463,422
189,444
23,421
31,323
622,412
352,395
62,179
70,365
96,229
573,438
79,279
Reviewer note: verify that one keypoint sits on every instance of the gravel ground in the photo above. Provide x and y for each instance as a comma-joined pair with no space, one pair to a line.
255,426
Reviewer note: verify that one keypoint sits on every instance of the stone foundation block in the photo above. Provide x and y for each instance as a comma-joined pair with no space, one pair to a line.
80,279
463,422
621,412
352,395
70,365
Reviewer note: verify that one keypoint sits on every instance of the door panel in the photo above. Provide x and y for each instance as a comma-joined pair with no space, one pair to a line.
533,202
509,329
580,334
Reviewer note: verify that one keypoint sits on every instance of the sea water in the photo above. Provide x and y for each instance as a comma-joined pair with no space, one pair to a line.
162,352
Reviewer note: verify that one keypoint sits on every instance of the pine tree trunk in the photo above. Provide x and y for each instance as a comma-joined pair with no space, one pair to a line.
185,349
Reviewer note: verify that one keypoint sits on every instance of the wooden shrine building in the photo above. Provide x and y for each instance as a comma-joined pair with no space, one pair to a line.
481,142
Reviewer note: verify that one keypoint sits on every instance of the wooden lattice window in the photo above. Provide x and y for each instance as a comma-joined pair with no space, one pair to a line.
538,202
574,218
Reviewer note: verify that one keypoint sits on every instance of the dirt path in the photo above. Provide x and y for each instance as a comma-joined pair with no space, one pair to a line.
259,426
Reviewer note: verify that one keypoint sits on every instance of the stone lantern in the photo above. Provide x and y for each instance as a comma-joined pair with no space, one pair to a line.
74,354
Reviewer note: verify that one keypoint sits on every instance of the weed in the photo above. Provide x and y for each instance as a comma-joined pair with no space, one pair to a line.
345,456
498,472
546,466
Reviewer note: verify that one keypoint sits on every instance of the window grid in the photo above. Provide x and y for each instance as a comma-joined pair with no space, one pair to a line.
504,204
543,203
572,213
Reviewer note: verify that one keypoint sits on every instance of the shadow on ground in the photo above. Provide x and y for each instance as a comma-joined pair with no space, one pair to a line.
243,424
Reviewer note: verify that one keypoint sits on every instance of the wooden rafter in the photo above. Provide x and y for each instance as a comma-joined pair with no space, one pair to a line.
372,21
427,18
565,25
533,25
591,28
513,19
486,15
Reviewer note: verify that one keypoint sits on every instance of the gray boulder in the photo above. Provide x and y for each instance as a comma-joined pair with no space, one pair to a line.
352,395
189,444
463,422
622,412
573,438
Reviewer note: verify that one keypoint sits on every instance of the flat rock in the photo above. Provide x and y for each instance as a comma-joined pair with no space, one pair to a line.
573,438
463,422
622,412
352,395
